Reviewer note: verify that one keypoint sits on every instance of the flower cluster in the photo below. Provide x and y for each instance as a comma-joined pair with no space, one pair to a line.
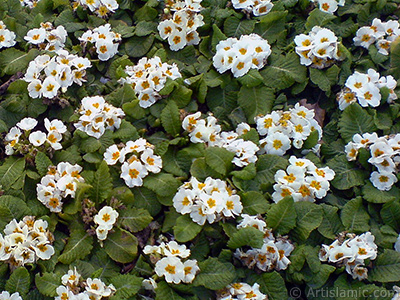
97,116
47,75
211,200
274,252
105,41
148,77
351,253
6,296
136,166
73,287
241,291
17,140
47,37
302,180
59,182
7,37
380,33
385,156
209,132
249,52
105,219
365,88
29,3
329,6
170,265
257,7
319,48
25,242
180,28
282,129
101,7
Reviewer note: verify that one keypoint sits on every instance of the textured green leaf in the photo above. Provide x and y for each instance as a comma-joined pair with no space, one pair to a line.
79,245
233,27
347,175
170,118
283,71
354,120
267,165
254,203
185,229
135,219
255,101
247,173
127,285
162,184
354,216
214,274
164,291
318,18
395,59
282,216
47,284
121,246
12,208
101,183
219,159
325,79
11,171
309,217
373,195
390,214
13,60
271,25
331,224
19,281
138,46
42,163
273,285
386,267
248,236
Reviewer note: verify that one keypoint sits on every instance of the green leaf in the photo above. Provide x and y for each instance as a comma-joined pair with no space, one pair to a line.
248,236
282,216
346,174
354,120
19,281
273,285
247,173
283,71
390,214
79,245
217,36
135,219
254,203
325,79
127,285
42,163
13,60
354,216
145,198
373,195
12,208
251,79
311,140
162,184
395,59
318,18
201,170
233,27
309,217
331,224
185,229
214,274
267,165
11,171
170,118
386,267
138,46
219,159
164,291
121,246
101,183
181,95
121,95
47,284
271,25
256,101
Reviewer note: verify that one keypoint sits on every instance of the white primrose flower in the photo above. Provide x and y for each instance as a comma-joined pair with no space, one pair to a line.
72,278
6,296
106,217
7,37
37,138
27,124
171,268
